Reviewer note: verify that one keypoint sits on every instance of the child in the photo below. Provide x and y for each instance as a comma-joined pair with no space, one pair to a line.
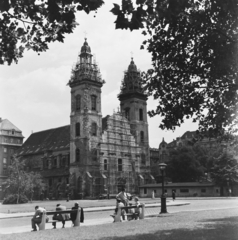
131,213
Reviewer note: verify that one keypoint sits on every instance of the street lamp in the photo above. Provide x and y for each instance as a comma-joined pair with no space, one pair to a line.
162,167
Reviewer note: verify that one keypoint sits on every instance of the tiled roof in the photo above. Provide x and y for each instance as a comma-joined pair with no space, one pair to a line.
5,124
52,139
189,134
181,184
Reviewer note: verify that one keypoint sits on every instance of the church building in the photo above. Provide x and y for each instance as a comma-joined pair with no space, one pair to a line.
95,155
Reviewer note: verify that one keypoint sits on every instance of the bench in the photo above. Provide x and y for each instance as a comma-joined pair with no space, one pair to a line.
118,216
43,220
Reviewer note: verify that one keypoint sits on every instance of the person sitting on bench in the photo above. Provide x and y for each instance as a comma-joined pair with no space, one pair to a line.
137,209
60,217
124,196
37,217
131,213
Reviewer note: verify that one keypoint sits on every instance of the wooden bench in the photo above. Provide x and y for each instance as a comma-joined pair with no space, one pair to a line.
44,214
118,216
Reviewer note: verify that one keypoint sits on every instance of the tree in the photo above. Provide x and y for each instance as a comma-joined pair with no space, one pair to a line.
21,182
193,44
225,169
194,55
30,24
184,166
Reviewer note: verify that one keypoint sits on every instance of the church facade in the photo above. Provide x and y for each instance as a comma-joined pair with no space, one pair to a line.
95,155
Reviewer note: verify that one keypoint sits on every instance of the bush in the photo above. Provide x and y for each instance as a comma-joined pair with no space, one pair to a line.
12,199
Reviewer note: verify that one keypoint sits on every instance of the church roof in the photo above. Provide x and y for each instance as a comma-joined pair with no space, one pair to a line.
51,139
132,67
132,82
85,48
5,124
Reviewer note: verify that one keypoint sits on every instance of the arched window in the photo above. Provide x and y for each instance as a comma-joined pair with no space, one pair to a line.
141,114
94,102
77,155
142,137
94,154
127,113
119,161
78,102
77,129
94,129
105,165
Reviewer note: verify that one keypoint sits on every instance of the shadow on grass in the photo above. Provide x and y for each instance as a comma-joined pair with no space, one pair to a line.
210,229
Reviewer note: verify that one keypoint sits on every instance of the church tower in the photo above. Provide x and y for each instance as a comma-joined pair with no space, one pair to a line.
85,121
133,102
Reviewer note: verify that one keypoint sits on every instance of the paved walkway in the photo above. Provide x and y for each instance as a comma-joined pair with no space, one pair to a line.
9,230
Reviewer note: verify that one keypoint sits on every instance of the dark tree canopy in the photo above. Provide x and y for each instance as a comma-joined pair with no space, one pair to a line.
194,48
30,24
225,169
184,166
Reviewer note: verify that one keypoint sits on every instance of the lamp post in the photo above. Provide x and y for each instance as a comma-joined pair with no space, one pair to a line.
162,167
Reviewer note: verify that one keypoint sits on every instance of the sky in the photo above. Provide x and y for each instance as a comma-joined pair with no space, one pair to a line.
34,95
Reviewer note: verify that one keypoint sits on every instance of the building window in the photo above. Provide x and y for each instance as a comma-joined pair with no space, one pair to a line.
50,182
67,180
4,163
203,190
47,163
94,102
127,113
67,162
62,162
184,190
59,180
77,155
78,102
5,150
119,165
77,129
55,162
143,158
13,132
145,190
105,165
141,114
94,154
94,129
142,137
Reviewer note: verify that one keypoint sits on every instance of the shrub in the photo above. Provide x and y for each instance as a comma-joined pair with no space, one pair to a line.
12,199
